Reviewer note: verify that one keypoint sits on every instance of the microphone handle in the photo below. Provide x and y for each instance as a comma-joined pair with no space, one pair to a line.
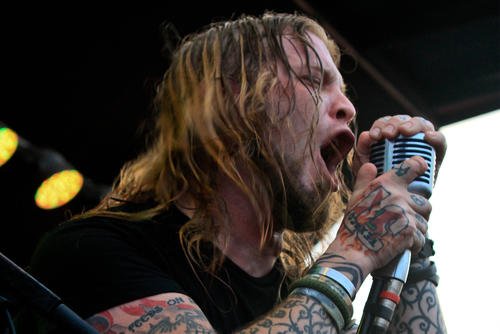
384,295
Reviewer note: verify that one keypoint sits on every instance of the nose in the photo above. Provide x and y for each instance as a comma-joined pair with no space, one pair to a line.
342,108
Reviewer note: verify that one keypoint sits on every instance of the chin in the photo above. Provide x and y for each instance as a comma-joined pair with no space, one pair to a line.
307,211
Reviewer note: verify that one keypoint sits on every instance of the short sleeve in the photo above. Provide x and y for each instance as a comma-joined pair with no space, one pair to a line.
94,267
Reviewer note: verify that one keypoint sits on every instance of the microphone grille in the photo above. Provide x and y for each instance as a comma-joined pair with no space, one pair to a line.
387,154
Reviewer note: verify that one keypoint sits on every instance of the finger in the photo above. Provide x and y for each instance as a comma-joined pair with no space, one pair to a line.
391,126
415,125
378,125
362,152
366,174
420,205
409,169
422,224
437,140
418,242
364,144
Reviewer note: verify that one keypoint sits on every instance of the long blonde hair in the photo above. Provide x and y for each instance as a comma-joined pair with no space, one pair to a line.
210,116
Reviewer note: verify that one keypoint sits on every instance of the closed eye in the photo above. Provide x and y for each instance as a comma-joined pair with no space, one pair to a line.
312,81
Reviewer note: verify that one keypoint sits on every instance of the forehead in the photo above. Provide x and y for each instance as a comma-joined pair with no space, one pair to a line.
297,53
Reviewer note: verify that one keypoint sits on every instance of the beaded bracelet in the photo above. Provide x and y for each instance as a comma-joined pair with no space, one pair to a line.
330,289
337,277
330,308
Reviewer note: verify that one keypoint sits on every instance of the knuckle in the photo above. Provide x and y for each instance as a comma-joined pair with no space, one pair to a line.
425,123
403,117
418,163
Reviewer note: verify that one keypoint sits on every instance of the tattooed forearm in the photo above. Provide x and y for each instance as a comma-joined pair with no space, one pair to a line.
351,270
418,311
298,314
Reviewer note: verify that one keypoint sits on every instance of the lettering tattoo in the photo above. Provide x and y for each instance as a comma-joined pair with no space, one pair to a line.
418,311
152,317
144,318
370,220
418,200
402,169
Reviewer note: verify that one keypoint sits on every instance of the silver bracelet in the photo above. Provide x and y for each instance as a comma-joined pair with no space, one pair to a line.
337,277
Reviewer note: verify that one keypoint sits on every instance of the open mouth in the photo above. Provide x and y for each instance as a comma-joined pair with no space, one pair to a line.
336,149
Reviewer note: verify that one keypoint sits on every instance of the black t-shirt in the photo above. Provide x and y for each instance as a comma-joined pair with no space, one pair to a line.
98,263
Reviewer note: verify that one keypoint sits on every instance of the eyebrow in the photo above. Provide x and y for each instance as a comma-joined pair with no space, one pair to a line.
331,75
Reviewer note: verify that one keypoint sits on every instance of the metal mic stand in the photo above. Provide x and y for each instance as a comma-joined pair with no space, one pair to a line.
27,290
384,295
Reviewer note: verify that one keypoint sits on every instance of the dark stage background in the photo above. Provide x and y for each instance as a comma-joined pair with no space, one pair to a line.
80,78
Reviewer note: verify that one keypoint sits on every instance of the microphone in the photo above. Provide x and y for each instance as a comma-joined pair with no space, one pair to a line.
388,281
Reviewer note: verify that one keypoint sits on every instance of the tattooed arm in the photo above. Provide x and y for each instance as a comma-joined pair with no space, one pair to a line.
418,309
163,313
177,313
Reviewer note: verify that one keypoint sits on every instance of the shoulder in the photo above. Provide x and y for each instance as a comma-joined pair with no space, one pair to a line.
101,234
98,262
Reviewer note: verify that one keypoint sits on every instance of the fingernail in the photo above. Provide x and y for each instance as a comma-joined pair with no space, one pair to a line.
407,125
389,129
375,132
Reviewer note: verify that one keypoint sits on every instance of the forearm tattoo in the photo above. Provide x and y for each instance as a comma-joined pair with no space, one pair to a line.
351,270
418,311
298,314
369,220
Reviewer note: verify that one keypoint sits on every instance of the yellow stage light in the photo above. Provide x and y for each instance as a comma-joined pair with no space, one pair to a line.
8,144
58,189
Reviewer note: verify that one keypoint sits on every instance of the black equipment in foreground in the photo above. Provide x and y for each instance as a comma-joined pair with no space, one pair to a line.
28,291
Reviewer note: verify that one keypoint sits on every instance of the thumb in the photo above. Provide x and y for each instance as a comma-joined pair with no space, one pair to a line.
367,173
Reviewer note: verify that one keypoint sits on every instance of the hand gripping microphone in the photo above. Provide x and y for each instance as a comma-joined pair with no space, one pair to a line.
388,281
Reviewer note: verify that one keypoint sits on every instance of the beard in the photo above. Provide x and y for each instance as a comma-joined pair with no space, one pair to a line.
299,208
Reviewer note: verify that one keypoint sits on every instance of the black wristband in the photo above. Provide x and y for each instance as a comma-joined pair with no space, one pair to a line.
428,273
427,250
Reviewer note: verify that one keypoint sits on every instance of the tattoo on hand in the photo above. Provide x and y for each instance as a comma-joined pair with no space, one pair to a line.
402,169
418,200
369,220
420,219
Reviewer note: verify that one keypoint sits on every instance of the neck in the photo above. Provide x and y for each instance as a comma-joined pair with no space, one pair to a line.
241,240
